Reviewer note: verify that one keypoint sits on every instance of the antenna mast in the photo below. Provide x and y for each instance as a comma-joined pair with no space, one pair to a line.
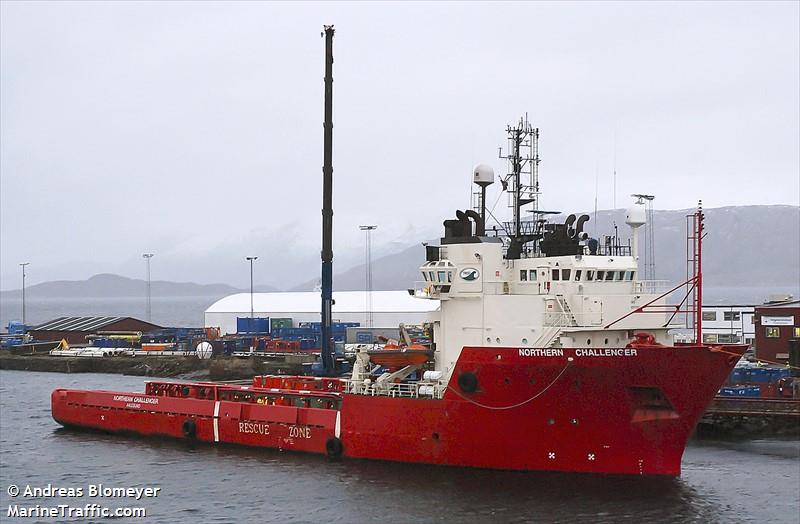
521,182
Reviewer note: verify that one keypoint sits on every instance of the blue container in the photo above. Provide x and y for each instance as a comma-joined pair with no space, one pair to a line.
728,391
229,346
760,375
750,391
737,376
257,325
15,327
740,391
779,373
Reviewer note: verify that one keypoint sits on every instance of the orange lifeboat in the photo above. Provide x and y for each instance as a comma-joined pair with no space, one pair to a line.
395,357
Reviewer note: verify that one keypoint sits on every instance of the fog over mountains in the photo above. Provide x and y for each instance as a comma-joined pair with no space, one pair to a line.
750,252
107,285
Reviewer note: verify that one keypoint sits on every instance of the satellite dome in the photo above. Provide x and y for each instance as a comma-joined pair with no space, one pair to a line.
636,215
483,175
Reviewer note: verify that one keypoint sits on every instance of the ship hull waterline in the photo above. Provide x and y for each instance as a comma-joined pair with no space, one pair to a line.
616,411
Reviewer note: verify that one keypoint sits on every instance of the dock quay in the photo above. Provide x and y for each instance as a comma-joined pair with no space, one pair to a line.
751,417
222,368
769,407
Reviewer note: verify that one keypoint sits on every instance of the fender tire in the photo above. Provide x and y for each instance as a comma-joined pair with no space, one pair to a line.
189,428
333,448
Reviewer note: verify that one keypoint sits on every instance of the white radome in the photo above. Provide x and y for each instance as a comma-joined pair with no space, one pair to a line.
483,174
636,216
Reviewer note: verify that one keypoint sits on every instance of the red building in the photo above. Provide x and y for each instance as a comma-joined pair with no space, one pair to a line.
75,329
775,325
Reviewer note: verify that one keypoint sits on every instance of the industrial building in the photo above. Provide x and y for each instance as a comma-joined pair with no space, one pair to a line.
75,329
777,325
384,309
728,324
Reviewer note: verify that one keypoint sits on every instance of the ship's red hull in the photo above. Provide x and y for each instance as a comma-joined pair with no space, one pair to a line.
622,411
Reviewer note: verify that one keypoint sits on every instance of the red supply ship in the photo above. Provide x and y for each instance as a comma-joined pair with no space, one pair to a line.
548,352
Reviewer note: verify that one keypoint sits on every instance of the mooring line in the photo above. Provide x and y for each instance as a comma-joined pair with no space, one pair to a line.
500,408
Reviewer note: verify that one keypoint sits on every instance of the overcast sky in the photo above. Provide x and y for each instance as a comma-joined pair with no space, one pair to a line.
194,130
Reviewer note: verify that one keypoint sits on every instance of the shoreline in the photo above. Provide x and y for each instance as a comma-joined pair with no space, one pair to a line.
217,369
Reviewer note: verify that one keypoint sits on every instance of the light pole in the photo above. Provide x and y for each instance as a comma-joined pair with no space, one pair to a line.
251,260
22,265
147,257
368,270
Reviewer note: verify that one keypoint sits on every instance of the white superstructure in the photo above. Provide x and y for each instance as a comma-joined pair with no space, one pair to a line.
535,302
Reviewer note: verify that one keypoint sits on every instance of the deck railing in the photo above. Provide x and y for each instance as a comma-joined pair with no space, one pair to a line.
421,389
651,287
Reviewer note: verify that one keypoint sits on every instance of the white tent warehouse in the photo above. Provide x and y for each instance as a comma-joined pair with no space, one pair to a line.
389,308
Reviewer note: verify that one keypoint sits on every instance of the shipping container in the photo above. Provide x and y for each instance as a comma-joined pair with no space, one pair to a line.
740,391
281,323
255,325
365,335
15,327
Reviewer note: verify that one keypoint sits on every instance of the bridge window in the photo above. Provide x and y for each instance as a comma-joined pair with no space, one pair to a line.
629,275
425,275
609,275
449,276
442,275
589,275
555,274
565,274
533,275
620,275
600,275
523,275
578,275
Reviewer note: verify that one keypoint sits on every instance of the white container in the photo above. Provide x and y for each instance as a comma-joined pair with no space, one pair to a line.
425,391
432,375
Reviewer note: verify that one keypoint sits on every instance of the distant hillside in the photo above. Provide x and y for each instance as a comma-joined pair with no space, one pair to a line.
396,271
108,285
750,252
